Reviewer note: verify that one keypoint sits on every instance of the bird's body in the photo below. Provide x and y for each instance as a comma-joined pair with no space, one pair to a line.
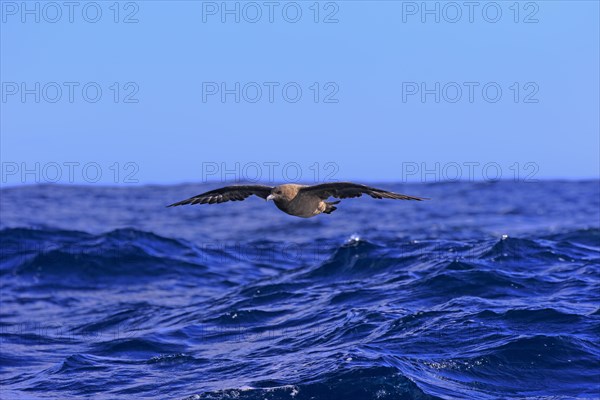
297,203
297,200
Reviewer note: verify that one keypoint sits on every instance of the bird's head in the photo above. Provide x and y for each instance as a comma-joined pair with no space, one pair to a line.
283,193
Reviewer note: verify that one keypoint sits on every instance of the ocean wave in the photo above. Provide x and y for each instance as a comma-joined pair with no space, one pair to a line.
447,312
359,383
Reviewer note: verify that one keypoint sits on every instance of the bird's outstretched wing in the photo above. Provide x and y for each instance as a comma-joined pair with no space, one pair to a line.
227,193
346,190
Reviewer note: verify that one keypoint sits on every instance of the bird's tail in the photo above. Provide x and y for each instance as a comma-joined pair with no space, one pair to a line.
330,206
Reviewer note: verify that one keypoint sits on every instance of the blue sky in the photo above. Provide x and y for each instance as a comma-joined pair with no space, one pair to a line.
309,91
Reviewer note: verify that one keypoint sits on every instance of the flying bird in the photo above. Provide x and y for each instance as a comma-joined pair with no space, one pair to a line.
298,200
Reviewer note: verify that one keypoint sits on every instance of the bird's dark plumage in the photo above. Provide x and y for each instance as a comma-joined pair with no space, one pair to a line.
298,200
228,193
346,190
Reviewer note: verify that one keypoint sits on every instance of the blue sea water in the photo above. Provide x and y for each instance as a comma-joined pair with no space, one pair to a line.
486,291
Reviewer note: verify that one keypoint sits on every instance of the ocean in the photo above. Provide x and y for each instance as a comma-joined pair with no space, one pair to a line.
490,290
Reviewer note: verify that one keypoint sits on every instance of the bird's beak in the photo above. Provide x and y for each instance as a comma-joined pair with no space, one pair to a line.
270,197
